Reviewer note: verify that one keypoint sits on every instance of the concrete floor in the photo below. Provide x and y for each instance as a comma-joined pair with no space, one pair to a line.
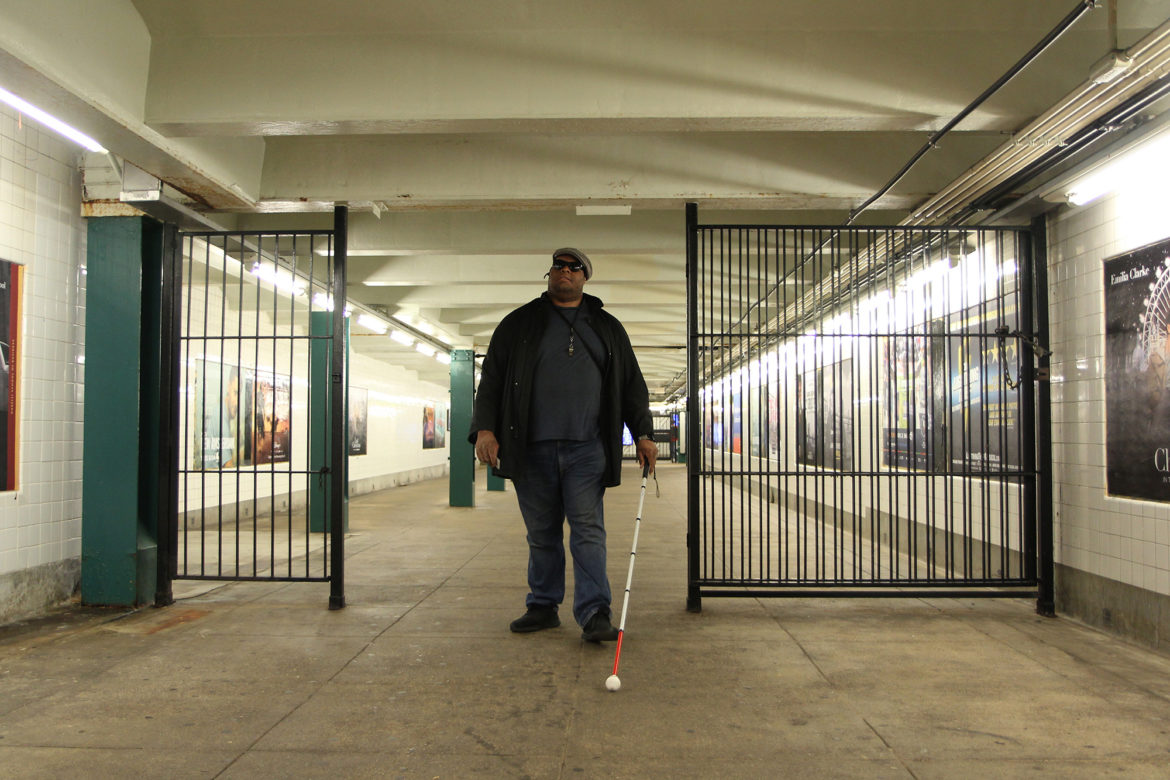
419,676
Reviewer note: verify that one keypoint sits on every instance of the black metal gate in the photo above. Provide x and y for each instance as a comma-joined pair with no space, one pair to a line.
861,412
257,424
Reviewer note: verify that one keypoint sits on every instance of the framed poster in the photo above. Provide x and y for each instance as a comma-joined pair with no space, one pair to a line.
266,407
358,406
736,438
906,402
984,402
1137,379
824,416
218,428
441,424
428,427
11,276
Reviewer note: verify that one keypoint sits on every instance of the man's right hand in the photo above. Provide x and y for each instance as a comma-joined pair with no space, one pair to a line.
487,449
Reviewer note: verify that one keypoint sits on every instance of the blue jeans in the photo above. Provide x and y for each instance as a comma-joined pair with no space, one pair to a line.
562,480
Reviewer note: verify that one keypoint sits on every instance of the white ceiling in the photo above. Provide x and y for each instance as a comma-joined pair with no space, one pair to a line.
464,134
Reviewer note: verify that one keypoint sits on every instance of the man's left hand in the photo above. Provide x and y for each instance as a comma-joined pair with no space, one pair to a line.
647,453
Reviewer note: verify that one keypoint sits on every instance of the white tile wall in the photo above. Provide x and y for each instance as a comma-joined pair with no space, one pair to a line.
41,228
1121,539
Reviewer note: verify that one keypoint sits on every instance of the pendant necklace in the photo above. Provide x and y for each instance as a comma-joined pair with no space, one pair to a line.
572,330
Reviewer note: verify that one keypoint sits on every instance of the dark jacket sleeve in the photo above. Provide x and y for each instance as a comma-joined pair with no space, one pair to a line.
635,395
489,395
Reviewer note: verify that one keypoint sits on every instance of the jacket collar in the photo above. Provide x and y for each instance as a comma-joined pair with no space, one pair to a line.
592,301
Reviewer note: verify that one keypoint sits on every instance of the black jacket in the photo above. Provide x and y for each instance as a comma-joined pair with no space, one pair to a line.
503,400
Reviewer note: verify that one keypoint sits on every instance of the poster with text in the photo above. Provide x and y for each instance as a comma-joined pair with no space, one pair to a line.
359,399
905,401
1137,379
11,276
983,370
266,401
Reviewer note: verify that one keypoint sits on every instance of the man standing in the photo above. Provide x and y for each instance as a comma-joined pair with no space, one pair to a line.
559,381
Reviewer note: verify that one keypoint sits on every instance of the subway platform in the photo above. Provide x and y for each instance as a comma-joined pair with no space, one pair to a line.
419,677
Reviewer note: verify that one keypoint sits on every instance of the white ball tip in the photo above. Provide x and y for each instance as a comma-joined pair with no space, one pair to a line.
612,683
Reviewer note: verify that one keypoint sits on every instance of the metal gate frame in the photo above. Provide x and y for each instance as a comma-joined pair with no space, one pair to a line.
730,345
329,466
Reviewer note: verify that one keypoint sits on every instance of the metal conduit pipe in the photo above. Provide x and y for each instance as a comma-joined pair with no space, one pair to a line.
1078,143
1068,21
999,166
1076,111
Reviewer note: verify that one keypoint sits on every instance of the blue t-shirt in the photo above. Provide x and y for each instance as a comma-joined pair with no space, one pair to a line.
566,389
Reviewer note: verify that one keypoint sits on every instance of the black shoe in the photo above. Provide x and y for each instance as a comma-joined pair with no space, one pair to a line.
535,619
599,629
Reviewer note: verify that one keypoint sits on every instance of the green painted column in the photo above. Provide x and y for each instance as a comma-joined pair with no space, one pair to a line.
320,352
462,479
119,527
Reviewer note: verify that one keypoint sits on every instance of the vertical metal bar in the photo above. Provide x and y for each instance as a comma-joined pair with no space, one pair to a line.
1038,514
188,424
293,339
241,430
737,374
337,451
1006,391
166,511
256,423
693,410
307,537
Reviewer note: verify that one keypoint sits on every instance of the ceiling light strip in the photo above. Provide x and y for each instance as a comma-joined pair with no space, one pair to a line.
52,122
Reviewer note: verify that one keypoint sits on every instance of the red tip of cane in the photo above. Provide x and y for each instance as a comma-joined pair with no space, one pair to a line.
617,654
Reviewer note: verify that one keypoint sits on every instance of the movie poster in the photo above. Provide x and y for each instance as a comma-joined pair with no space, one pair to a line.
824,416
713,422
773,394
757,424
242,417
218,428
442,422
736,423
429,427
984,402
267,404
906,404
359,399
1137,354
11,276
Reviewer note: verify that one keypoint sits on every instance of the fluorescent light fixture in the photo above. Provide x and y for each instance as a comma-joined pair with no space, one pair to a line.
52,122
443,357
279,278
424,349
371,322
1140,163
323,301
424,326
403,338
603,211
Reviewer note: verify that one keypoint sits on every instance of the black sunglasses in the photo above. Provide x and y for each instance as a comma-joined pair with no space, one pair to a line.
575,265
